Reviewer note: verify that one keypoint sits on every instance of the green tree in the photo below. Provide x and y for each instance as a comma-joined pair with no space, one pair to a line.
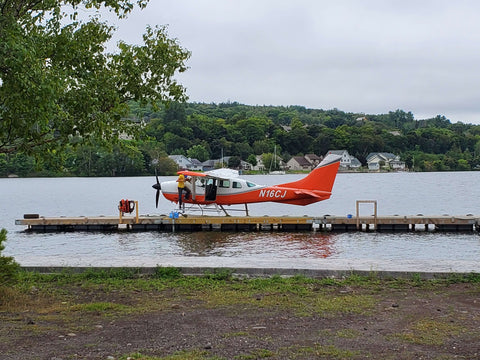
463,165
198,152
252,159
57,80
234,162
124,160
176,144
21,164
8,266
166,166
3,165
85,161
242,150
263,146
152,152
270,162
155,128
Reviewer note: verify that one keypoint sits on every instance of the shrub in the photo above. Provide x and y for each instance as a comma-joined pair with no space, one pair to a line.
8,266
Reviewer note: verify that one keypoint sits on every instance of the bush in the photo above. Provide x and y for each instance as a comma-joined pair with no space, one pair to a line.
8,266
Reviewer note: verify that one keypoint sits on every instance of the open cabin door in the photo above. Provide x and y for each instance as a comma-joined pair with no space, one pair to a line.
211,189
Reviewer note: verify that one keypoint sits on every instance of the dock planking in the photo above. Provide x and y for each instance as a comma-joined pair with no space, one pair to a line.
400,223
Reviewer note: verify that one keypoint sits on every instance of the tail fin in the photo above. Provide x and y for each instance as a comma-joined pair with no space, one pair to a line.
321,178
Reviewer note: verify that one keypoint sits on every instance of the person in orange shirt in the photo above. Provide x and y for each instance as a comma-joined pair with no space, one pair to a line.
181,188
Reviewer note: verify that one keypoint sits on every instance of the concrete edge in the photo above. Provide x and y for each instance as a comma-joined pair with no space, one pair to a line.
259,272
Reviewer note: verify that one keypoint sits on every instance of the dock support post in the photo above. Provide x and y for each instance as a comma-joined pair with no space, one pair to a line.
374,202
136,212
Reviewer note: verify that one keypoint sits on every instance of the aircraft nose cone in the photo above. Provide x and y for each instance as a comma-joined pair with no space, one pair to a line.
157,186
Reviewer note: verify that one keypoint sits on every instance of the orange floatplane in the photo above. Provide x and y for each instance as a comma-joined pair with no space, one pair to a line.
223,187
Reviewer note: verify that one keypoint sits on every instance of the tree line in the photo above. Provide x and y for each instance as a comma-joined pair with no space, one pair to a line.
206,131
70,107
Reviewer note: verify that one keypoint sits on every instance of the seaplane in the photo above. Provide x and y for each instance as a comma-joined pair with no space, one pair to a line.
221,187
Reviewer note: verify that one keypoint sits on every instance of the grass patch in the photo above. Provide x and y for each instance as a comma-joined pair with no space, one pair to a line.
103,308
236,334
348,333
256,354
431,332
351,304
320,352
181,355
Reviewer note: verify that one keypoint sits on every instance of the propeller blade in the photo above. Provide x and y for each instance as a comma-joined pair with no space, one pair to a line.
158,187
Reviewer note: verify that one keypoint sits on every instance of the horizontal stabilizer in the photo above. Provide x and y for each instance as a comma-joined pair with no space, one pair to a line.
306,192
316,194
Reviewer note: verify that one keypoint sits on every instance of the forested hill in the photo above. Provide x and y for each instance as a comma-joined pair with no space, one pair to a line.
204,131
241,130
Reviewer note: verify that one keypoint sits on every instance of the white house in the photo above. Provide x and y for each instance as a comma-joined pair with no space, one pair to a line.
348,161
265,167
181,161
196,165
376,161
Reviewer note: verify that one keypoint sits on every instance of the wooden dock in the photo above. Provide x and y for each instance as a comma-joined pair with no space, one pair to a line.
401,223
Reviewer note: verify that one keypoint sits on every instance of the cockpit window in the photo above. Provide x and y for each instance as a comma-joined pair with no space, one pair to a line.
237,185
224,183
249,184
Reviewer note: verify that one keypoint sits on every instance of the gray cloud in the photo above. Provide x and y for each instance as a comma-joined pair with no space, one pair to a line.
360,56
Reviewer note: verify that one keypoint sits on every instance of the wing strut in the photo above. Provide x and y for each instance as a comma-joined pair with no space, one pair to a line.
227,214
225,211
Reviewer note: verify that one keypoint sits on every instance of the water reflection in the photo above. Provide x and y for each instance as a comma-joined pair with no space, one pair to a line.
284,245
203,243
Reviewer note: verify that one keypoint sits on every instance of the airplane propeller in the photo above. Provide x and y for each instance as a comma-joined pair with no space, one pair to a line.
158,188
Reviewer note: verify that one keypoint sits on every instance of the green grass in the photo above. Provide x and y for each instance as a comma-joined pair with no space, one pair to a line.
319,352
181,355
104,308
301,294
431,332
116,290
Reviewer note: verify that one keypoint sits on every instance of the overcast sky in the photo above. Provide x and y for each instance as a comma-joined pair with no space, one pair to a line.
363,56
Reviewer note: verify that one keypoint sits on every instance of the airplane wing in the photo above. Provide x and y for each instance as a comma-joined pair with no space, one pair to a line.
223,173
217,173
191,173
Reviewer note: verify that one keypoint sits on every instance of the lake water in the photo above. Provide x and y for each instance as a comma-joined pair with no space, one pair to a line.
453,193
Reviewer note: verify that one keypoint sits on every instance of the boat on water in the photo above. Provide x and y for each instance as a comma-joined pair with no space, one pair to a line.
273,164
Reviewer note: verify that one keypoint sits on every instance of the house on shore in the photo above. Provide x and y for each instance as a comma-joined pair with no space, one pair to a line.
297,163
313,159
182,161
302,163
266,167
348,162
384,160
223,162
